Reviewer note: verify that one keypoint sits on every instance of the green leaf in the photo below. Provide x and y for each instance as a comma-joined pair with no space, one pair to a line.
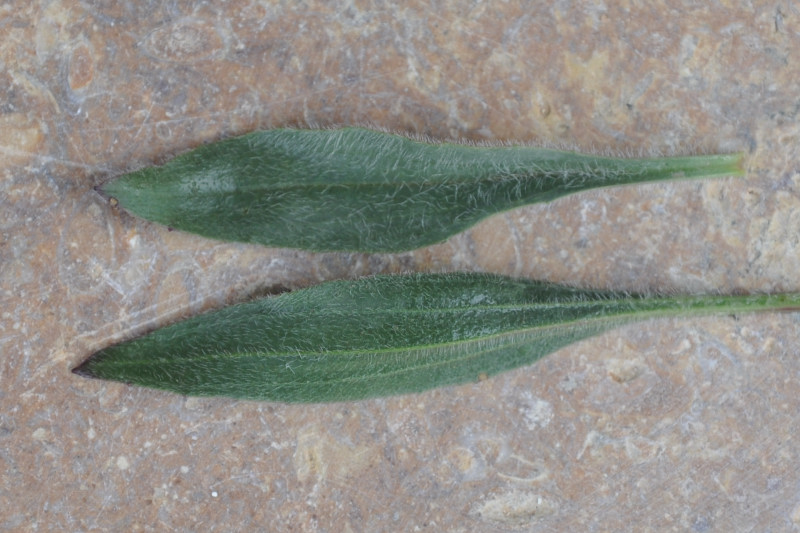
354,189
385,335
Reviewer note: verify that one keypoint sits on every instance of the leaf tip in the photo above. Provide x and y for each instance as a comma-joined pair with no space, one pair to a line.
741,166
83,370
100,189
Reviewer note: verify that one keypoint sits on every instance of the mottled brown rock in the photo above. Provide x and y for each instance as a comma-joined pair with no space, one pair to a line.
670,426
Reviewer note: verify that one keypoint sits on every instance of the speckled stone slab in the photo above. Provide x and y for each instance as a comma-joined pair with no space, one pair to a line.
674,425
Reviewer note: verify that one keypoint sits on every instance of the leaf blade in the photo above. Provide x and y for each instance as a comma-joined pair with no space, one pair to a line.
354,189
385,335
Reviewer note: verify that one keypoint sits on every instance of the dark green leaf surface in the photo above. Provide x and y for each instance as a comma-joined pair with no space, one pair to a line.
385,335
354,189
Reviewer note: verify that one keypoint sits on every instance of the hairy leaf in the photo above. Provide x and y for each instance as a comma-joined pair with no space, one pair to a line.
354,189
385,335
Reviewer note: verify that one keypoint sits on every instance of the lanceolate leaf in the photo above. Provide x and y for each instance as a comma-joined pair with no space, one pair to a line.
385,335
354,189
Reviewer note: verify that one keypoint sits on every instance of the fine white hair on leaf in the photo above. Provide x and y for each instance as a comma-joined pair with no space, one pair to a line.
360,190
385,335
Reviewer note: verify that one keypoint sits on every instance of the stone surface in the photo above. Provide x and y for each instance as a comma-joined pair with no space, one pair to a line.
669,426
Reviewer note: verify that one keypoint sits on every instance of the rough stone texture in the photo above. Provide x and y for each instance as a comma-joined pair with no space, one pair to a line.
672,426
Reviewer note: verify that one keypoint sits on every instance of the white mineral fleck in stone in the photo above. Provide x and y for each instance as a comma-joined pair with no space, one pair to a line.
122,462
